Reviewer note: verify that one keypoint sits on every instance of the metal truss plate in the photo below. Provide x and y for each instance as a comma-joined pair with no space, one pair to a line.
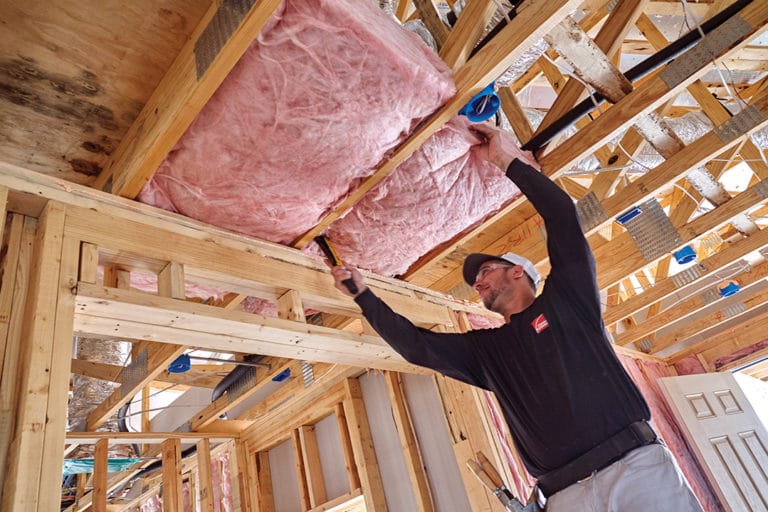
134,373
221,27
686,276
734,309
706,50
652,231
591,211
761,189
739,124
646,344
710,295
308,373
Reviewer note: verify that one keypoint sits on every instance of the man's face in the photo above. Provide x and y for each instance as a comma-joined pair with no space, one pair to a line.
492,283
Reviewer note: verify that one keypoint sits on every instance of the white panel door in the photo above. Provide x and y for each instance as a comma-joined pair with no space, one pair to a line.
729,439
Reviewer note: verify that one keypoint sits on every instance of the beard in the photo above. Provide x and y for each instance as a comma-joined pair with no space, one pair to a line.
490,300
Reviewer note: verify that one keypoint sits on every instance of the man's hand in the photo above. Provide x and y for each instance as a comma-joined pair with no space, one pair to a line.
500,148
342,273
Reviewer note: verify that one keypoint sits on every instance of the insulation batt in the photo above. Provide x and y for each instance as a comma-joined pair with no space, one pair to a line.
315,104
442,189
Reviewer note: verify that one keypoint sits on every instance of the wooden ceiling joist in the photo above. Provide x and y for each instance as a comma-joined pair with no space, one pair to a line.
664,288
213,49
627,258
686,308
89,229
138,316
745,305
727,341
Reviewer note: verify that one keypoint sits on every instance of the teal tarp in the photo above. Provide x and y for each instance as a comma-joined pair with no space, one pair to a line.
75,466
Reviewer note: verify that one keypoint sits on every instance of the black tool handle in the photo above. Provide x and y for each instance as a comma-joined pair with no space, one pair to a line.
351,286
335,261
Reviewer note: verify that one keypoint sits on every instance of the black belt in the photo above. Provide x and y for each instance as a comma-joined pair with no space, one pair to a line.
604,454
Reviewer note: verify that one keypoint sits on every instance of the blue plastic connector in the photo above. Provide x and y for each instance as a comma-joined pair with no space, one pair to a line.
180,365
685,255
280,377
629,215
483,105
729,288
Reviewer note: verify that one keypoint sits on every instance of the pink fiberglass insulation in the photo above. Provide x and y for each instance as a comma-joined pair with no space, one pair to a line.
722,361
442,189
689,366
314,105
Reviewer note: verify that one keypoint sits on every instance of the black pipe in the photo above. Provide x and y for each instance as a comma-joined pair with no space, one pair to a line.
653,62
495,30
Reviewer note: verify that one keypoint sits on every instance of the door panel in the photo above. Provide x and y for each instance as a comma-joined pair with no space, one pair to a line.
726,434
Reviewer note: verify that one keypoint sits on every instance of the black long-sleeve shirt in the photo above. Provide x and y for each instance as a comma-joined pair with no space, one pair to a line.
560,385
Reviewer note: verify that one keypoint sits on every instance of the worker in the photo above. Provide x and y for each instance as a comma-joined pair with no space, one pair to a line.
578,421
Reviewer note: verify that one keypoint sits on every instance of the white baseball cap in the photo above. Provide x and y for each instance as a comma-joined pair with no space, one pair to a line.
473,261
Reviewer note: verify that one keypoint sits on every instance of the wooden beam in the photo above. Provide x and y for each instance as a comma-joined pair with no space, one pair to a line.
608,39
240,470
27,451
173,499
224,403
56,414
749,300
215,256
16,273
515,114
170,281
118,438
204,475
432,20
353,479
469,27
408,443
682,310
313,469
134,315
628,259
362,446
727,341
100,476
264,476
203,376
186,87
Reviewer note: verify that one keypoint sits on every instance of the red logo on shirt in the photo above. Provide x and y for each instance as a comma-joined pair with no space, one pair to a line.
540,323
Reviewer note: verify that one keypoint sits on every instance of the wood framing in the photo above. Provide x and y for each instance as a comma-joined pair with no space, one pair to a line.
77,261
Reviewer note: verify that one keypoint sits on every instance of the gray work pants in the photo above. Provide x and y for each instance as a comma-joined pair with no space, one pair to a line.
645,479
